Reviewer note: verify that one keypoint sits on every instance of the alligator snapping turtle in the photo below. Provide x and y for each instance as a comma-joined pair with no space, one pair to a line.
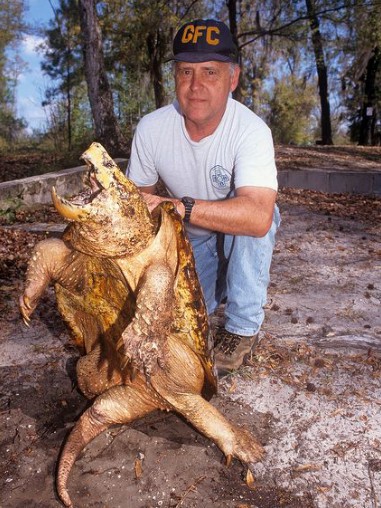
126,285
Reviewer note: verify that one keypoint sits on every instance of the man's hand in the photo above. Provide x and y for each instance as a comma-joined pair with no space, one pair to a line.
153,201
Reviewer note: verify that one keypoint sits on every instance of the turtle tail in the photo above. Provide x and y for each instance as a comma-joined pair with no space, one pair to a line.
88,427
118,405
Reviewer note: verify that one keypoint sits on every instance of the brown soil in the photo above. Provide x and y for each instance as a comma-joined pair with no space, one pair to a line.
311,391
13,167
367,158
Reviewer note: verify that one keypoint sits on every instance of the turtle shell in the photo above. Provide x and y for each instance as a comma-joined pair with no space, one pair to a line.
103,304
191,323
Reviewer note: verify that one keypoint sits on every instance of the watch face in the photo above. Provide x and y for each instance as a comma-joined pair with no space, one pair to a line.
187,200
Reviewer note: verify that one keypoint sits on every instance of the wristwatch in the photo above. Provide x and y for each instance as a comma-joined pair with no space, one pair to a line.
189,204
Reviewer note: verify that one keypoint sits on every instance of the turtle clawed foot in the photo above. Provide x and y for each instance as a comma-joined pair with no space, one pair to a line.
246,448
25,309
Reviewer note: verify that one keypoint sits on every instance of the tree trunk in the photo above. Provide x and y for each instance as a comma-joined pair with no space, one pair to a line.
368,115
232,9
107,130
326,129
156,50
68,98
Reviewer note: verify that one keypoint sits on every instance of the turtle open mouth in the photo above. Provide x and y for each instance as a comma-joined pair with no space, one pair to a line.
78,208
106,188
92,181
92,190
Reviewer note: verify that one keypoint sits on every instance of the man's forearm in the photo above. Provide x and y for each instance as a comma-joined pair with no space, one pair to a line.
240,215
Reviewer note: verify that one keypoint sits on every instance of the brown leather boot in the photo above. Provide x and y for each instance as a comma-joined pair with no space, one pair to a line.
231,350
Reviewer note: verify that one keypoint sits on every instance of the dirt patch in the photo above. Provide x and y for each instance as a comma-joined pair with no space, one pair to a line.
344,157
319,366
34,162
311,391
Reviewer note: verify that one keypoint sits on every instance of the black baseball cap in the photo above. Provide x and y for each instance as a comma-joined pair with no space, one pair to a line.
204,40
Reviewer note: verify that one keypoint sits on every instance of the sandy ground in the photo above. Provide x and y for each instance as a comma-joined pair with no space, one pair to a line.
318,375
311,393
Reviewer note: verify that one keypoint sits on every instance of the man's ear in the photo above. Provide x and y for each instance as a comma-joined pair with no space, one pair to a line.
235,78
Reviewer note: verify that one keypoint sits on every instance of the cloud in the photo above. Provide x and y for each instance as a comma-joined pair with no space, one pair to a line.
31,43
32,111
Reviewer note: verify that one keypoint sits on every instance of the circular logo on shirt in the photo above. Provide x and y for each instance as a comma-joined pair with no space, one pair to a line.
220,177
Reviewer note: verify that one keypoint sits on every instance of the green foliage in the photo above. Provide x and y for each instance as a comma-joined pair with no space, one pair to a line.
361,80
137,40
64,64
11,28
11,25
8,210
291,104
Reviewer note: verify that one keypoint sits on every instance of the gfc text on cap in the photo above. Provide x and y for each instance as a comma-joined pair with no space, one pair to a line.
204,40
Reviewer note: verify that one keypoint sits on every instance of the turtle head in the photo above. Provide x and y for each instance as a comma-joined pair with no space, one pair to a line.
110,218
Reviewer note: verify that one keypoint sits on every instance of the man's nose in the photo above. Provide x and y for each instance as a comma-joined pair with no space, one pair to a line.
195,81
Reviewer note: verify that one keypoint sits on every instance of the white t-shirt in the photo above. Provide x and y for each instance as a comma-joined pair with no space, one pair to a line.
239,153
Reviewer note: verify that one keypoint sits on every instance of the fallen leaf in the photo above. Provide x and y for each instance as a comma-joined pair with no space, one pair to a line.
305,468
233,386
138,468
250,480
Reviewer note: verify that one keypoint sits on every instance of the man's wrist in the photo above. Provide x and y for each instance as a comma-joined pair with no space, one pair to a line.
188,203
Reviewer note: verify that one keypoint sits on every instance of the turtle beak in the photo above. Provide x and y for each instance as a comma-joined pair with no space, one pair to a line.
106,172
100,165
68,210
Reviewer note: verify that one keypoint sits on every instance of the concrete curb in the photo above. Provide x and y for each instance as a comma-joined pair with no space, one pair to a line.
68,182
332,182
36,190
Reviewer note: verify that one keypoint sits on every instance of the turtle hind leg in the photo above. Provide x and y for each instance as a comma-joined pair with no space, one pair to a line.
119,405
181,385
232,440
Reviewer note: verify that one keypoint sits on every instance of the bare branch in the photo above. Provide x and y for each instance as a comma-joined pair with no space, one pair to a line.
260,32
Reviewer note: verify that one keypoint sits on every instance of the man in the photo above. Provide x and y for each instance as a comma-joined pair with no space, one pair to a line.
216,159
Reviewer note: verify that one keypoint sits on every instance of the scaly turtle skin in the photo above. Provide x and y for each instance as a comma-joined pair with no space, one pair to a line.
126,285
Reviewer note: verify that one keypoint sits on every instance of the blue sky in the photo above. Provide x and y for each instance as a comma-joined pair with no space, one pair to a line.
32,82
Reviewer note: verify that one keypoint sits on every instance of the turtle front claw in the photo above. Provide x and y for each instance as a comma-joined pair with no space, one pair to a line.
26,322
25,309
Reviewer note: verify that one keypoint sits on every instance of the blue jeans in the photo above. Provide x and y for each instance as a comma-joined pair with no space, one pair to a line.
236,268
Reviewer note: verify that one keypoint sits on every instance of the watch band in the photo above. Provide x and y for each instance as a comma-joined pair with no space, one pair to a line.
188,204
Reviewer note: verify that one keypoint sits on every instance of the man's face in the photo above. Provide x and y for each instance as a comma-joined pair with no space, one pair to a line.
203,89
